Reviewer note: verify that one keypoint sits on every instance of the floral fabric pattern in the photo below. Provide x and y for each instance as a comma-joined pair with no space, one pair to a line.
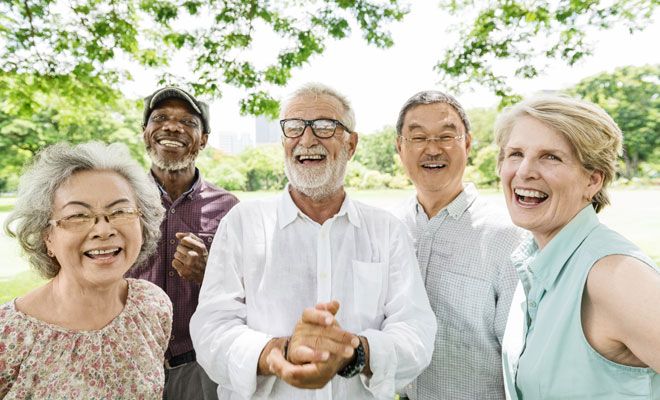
123,360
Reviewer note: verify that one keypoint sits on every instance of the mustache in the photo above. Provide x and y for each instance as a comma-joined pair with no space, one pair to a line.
434,158
314,150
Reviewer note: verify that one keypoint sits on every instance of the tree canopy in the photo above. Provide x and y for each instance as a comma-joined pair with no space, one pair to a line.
101,38
523,36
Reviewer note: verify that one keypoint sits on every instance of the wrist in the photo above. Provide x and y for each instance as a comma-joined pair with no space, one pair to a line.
275,343
356,364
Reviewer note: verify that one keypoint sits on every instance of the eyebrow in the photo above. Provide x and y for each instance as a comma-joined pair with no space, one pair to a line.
82,203
542,150
445,125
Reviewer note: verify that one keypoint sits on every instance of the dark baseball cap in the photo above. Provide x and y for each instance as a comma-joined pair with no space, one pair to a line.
173,92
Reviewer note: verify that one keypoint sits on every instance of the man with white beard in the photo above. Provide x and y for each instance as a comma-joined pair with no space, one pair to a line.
175,129
311,290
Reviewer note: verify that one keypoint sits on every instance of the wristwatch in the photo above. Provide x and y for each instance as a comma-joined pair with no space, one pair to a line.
356,365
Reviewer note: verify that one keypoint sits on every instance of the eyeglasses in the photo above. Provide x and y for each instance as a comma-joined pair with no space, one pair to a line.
85,221
321,128
444,141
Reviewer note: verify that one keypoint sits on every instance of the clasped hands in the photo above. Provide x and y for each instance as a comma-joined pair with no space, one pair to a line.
316,351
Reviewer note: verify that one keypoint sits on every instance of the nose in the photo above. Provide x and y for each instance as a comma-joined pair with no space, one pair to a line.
102,227
527,169
307,139
433,147
172,125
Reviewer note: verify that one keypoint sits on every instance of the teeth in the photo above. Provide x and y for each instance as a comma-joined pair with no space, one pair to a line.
310,157
434,165
530,193
99,252
170,143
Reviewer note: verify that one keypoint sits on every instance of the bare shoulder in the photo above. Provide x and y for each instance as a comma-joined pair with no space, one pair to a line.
620,276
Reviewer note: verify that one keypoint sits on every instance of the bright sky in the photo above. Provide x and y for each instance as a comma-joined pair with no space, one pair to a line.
378,82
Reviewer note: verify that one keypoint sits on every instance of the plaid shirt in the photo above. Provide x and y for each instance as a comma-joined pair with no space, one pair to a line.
464,257
199,210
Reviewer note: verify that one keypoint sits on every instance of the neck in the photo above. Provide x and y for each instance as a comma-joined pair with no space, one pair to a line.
433,202
319,210
175,183
81,306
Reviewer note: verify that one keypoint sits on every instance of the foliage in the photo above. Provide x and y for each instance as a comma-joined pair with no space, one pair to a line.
378,151
482,121
360,177
36,111
525,35
221,169
630,96
218,39
263,167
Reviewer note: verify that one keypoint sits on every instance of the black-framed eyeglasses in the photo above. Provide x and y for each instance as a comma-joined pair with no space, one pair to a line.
85,221
323,128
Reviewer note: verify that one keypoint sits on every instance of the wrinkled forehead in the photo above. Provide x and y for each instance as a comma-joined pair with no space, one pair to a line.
433,115
311,106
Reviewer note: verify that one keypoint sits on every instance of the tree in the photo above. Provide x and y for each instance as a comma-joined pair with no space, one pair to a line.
264,167
527,34
378,151
36,112
100,38
630,96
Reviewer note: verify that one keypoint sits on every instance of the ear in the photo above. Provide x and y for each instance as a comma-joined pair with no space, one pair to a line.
468,142
398,144
204,140
144,136
595,183
352,143
46,237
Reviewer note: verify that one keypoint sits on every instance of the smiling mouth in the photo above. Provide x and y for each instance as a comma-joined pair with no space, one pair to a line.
170,143
530,197
98,254
310,158
434,165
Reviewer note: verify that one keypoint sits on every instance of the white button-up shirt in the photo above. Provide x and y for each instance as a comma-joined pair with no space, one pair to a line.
269,261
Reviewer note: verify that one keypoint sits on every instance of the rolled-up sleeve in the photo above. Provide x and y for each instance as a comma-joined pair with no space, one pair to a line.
403,347
226,348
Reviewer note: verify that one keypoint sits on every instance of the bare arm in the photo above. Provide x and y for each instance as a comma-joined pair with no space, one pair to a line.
620,313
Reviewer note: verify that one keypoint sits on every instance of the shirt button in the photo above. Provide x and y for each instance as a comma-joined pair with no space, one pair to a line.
532,304
172,241
171,273
172,211
209,239
172,338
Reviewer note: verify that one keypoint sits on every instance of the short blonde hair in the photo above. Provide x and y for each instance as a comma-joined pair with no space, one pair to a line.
592,133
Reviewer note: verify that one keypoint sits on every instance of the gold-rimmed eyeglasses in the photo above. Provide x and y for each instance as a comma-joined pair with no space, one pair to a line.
444,141
86,220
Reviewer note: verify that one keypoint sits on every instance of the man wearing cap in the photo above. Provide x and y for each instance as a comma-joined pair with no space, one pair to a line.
175,129
463,247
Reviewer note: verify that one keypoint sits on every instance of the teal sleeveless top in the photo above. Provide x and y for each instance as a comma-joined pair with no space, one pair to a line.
545,354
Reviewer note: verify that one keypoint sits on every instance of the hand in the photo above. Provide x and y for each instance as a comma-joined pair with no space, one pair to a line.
317,350
190,257
318,336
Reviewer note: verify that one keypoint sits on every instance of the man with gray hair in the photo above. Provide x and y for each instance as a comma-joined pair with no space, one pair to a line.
463,246
312,290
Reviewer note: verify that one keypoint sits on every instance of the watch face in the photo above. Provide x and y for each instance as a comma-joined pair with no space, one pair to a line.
356,366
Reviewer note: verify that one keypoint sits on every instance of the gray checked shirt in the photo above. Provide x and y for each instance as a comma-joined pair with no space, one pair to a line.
464,258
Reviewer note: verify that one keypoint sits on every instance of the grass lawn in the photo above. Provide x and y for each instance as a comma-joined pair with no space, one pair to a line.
635,213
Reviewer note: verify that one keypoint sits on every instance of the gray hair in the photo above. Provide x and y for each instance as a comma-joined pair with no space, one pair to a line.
431,97
54,166
316,90
592,133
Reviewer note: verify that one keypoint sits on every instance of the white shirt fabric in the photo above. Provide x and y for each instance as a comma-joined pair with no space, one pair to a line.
269,261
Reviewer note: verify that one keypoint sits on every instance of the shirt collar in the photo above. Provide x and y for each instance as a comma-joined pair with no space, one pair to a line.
196,187
456,207
287,211
549,261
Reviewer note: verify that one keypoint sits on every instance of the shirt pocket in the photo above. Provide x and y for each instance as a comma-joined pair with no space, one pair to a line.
367,288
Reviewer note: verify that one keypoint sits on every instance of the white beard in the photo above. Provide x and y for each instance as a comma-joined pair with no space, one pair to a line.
168,165
318,182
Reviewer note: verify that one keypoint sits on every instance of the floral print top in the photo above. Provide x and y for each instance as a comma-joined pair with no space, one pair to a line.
123,360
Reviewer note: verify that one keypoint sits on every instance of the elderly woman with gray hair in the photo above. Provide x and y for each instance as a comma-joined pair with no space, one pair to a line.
84,216
585,319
